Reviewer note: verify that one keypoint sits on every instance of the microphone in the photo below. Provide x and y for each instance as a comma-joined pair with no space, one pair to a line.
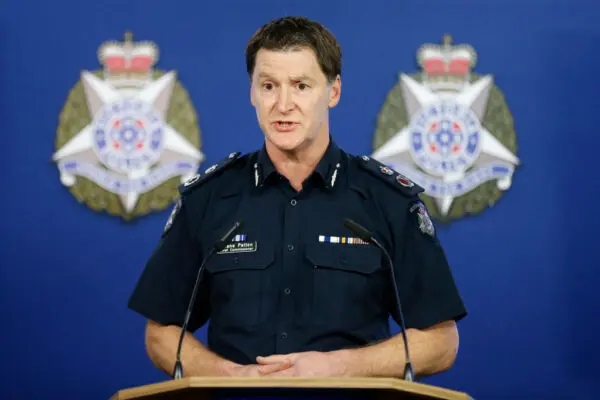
218,246
367,236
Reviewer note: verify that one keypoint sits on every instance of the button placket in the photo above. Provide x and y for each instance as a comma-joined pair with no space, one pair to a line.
291,220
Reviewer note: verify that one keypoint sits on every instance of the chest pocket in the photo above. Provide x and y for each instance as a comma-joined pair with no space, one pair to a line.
240,287
348,283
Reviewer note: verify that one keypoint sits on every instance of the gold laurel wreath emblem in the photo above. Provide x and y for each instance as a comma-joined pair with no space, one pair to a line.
75,116
497,120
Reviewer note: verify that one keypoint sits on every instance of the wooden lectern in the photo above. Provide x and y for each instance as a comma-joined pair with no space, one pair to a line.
278,388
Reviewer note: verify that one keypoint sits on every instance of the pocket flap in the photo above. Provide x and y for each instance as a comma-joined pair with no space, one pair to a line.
360,258
261,258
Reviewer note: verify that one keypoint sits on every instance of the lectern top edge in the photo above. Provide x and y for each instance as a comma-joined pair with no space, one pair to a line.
388,384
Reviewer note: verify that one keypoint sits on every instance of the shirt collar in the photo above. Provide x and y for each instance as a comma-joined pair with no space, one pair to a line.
327,168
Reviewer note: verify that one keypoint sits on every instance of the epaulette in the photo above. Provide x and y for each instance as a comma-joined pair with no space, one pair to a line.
200,178
392,177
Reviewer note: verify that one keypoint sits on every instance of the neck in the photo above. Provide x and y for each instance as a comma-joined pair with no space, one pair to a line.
298,164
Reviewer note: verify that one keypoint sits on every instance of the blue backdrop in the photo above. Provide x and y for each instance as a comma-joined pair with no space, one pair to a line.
527,267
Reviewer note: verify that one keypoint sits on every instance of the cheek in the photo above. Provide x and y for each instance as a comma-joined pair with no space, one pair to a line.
312,106
316,109
264,103
261,107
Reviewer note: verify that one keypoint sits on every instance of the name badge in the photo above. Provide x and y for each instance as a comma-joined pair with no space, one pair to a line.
239,247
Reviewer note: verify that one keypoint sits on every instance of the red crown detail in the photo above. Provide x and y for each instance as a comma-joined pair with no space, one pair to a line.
447,60
127,57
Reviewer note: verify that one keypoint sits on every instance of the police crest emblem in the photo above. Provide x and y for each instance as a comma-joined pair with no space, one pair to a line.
424,222
450,131
128,133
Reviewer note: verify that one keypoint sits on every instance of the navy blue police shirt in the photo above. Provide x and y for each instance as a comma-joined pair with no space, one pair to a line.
295,278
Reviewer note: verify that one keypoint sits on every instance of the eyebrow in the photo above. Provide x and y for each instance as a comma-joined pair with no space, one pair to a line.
301,78
292,78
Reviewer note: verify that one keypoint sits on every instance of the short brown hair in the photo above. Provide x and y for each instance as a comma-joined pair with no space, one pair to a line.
295,32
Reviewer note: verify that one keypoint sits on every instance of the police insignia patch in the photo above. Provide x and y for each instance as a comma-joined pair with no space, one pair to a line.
450,130
174,213
425,224
128,133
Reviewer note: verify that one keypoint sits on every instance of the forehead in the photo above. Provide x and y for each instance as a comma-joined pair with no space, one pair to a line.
286,63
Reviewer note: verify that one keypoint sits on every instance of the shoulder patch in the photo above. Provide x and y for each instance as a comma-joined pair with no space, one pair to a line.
423,220
172,216
394,178
198,179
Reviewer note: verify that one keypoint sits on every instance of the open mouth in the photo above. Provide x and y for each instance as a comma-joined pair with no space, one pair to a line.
285,125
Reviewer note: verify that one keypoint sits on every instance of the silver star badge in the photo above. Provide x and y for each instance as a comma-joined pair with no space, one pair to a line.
439,139
128,148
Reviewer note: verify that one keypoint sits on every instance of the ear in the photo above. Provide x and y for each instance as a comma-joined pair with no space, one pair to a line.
335,92
252,101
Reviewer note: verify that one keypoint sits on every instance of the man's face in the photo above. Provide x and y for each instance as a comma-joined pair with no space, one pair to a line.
292,97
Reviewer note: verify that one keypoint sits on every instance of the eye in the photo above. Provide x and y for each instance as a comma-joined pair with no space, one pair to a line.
267,86
302,86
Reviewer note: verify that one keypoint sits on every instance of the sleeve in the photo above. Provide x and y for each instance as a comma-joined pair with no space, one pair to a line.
426,287
164,289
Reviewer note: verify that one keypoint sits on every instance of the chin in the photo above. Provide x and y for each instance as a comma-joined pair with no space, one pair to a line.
286,141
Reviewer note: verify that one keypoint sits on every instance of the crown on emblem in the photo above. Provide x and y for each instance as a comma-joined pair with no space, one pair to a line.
446,66
126,63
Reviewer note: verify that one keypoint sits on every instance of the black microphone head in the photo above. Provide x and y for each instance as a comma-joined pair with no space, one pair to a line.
358,229
228,236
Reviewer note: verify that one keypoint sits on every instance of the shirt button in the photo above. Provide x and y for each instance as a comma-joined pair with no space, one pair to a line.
284,335
293,202
290,247
287,290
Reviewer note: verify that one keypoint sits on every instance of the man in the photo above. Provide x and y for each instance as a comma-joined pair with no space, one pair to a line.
298,294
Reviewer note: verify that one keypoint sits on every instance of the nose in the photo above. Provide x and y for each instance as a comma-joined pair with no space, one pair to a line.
285,101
